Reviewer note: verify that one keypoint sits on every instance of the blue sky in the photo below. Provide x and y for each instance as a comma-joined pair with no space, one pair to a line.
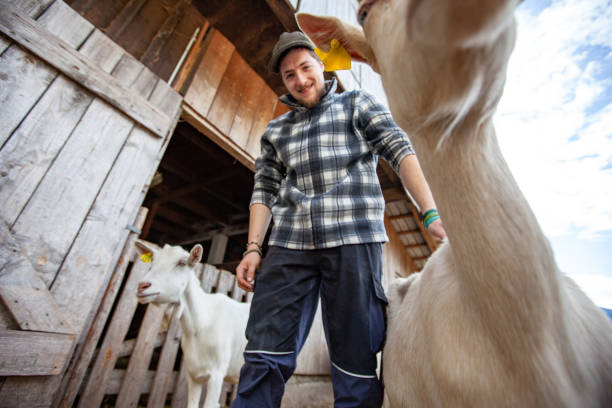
554,124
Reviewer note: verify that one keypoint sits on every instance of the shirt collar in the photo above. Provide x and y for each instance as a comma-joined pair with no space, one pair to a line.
330,90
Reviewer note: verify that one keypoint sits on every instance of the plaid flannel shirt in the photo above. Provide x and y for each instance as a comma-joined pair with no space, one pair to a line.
317,170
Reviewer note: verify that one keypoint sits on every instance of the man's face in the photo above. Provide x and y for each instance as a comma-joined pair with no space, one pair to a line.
302,74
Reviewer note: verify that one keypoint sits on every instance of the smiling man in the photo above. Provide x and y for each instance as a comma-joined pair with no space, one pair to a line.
316,177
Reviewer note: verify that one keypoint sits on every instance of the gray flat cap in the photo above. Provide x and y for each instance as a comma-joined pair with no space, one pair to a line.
286,42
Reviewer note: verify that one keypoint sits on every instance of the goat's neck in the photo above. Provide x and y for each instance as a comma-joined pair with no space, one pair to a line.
195,305
505,263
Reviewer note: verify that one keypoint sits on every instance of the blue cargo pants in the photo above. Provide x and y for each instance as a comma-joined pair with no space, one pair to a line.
287,290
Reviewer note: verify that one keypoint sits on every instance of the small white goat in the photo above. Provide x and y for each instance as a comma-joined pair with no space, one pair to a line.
213,324
490,321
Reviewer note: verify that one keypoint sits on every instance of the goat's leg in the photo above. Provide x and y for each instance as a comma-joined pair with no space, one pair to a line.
194,391
213,390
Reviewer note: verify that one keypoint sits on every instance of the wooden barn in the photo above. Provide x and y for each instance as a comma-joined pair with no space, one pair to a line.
126,119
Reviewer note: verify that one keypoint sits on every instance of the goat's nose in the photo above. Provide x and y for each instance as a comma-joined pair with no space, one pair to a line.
143,285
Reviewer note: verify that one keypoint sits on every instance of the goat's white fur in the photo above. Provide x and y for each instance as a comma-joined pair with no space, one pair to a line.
213,324
490,321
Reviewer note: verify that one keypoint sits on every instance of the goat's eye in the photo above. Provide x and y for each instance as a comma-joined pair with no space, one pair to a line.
181,263
362,16
363,11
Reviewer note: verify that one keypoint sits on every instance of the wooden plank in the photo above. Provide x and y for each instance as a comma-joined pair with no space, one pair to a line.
90,261
31,8
28,300
217,249
107,356
117,378
24,78
210,277
179,393
267,103
229,93
192,58
72,183
179,43
33,353
153,51
128,346
60,55
226,282
164,373
76,372
24,294
26,156
131,386
209,73
247,110
237,293
124,18
138,34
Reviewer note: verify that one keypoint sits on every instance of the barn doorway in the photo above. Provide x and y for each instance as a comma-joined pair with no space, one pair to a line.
199,194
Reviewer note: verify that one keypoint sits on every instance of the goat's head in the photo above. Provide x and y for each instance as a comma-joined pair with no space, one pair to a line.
169,274
429,54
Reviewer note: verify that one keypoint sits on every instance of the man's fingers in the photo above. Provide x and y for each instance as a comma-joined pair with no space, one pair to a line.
251,274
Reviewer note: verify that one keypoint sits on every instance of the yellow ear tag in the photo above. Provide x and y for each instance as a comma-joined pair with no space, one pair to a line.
336,59
146,258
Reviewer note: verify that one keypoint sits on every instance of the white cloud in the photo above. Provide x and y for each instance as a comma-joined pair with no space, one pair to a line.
556,147
597,287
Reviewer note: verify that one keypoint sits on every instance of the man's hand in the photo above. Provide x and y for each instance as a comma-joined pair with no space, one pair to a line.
245,271
436,229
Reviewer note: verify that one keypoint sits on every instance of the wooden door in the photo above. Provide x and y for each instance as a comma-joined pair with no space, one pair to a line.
84,125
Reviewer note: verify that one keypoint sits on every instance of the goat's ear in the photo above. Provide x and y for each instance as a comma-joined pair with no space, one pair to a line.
143,248
321,30
195,255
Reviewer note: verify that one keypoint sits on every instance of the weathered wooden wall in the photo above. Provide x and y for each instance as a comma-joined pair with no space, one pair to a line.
84,126
229,102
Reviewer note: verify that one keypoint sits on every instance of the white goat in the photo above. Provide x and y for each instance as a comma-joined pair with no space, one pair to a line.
490,321
213,324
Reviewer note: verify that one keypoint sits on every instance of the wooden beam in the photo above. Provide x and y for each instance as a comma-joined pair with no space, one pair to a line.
33,353
216,254
208,235
284,12
202,124
32,36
